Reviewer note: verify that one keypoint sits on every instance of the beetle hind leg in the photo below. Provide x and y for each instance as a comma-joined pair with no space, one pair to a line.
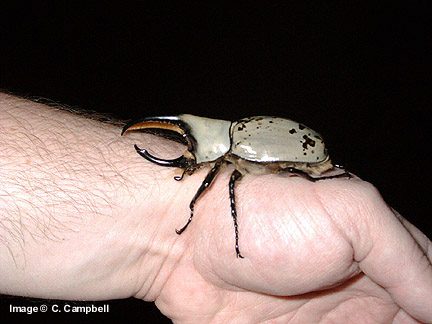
204,185
236,175
305,175
345,173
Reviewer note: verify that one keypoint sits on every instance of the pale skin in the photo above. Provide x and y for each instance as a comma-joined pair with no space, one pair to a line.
82,216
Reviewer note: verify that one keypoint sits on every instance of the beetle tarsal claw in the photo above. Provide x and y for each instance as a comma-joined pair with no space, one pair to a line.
180,177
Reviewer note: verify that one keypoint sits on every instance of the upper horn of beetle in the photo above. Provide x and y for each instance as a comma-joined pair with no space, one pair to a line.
172,123
207,139
168,123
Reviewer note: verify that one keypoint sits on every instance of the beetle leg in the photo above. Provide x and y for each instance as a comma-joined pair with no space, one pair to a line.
236,175
180,177
204,185
313,179
344,174
189,170
300,173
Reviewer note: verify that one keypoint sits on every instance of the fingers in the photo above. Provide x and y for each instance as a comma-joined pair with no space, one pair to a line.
421,239
396,259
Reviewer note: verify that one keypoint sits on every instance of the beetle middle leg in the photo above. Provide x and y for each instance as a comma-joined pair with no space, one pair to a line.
204,185
236,175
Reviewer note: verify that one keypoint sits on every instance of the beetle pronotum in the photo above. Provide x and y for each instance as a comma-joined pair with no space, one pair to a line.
257,145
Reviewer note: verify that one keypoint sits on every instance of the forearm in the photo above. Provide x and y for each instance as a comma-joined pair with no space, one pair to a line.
55,167
73,196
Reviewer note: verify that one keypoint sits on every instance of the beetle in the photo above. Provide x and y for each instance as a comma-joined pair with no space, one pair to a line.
257,145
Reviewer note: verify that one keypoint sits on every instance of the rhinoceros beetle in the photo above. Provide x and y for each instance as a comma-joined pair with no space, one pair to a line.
256,145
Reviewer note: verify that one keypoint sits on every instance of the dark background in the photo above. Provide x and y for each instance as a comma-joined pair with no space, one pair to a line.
359,73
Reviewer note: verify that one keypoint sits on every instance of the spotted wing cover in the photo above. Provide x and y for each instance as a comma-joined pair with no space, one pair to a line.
274,139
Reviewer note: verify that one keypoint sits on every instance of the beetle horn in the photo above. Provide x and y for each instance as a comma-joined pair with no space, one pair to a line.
165,123
172,123
180,162
168,123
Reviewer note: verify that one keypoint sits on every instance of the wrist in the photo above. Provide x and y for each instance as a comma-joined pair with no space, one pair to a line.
79,208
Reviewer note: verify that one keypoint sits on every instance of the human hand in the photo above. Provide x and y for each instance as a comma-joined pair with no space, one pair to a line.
84,217
329,251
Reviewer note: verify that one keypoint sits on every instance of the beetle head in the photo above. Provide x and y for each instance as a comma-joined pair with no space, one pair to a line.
206,139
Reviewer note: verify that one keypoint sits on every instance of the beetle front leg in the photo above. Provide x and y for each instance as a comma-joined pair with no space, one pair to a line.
204,185
236,175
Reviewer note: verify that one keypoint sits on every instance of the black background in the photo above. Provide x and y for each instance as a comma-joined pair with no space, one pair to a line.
359,73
